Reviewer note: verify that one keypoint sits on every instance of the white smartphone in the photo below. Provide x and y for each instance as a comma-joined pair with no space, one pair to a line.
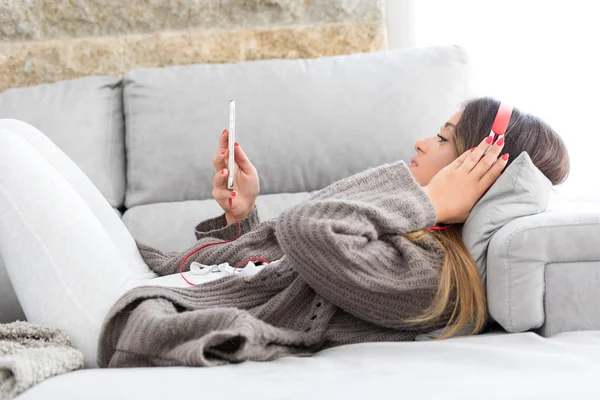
231,143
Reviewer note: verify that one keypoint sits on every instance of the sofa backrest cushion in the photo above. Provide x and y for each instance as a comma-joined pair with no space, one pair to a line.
84,118
303,123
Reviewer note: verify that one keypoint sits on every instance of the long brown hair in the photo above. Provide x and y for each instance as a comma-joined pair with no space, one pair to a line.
460,292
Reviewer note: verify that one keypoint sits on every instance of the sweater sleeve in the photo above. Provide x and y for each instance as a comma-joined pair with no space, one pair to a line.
217,227
256,240
346,243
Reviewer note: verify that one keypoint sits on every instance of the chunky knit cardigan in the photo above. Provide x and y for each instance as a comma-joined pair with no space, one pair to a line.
342,273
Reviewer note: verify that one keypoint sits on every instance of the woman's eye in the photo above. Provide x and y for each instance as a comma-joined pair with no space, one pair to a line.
442,139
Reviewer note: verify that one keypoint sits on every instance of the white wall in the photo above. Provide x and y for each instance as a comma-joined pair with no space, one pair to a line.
543,56
400,23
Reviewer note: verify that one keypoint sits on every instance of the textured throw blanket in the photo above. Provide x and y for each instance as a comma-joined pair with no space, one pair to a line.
342,273
30,353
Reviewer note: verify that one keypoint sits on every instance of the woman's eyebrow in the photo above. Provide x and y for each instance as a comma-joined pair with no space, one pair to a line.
449,124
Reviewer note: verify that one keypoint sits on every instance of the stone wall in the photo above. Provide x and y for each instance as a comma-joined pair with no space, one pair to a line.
48,40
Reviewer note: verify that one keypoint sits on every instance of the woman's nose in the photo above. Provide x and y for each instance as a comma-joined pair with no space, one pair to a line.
420,146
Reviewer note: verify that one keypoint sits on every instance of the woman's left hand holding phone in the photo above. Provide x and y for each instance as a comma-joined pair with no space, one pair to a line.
246,187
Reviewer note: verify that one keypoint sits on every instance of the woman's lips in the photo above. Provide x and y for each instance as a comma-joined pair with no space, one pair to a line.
413,162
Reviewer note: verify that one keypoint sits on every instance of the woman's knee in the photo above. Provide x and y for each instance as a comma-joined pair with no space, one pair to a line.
19,127
11,143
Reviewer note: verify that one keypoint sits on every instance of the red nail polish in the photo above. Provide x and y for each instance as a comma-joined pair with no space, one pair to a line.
224,131
234,193
473,149
500,142
223,171
505,156
489,140
236,143
223,151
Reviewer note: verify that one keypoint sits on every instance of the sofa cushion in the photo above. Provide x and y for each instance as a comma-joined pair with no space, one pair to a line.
84,118
521,190
303,123
170,226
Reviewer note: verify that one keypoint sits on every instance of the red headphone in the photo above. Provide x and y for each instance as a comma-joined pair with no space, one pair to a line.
501,121
498,131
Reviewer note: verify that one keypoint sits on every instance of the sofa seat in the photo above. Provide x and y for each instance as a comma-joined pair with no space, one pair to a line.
494,365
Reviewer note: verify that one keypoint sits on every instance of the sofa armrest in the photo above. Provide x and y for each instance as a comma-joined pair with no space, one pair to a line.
544,271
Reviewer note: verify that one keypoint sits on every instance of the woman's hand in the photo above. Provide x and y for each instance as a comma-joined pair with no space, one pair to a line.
246,184
457,187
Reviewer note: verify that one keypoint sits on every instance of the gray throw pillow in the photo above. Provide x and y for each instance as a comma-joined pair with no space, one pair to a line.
521,190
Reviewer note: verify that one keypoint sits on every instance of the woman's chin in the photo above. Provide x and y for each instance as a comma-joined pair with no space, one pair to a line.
415,175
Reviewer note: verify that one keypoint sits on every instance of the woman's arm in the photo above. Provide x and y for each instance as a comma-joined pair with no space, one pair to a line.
257,240
219,228
344,242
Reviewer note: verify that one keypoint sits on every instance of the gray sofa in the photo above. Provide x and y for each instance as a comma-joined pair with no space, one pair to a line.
147,140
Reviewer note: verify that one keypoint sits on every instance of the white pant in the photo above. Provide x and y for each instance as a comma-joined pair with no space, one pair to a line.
67,253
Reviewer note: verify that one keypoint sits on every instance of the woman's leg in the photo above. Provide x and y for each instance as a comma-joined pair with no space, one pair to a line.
64,265
86,189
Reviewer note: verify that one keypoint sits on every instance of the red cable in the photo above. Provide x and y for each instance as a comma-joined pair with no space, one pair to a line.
211,244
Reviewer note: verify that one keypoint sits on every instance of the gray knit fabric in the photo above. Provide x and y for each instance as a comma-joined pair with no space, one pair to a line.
345,275
31,353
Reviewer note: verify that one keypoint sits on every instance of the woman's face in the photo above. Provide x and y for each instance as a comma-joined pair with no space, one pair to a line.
435,152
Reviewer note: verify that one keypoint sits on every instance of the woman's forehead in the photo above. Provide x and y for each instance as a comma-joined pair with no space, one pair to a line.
449,125
455,117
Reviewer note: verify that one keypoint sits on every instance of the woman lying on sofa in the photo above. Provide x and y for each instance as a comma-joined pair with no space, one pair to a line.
377,256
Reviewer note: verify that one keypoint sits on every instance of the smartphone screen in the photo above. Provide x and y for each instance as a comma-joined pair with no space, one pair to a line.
231,143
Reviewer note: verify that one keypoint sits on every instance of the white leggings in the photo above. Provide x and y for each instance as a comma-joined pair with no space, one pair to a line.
67,253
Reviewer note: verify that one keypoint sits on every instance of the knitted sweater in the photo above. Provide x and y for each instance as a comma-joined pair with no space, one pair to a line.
344,274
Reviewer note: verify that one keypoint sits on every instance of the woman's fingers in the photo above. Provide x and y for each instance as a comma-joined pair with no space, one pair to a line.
242,161
493,173
486,162
220,158
220,178
220,190
459,161
224,139
475,155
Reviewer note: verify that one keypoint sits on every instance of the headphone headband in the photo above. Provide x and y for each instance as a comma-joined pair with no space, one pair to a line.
501,121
